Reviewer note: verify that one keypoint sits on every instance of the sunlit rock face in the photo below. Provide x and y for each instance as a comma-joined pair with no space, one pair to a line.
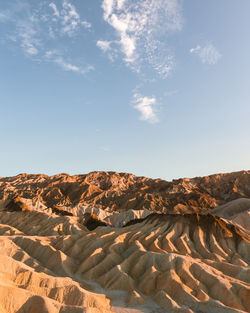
113,191
114,242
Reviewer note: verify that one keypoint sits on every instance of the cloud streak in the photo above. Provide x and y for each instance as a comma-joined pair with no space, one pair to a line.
207,53
27,34
70,67
56,57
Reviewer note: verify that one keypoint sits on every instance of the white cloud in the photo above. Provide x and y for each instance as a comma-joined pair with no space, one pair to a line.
4,17
32,50
145,106
86,24
103,45
27,35
68,18
208,53
54,8
140,26
195,50
67,66
51,53
107,6
71,67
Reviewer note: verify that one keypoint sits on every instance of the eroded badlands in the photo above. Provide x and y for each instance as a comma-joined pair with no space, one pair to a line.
110,242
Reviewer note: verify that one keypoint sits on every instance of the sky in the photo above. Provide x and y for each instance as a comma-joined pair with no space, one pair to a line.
158,88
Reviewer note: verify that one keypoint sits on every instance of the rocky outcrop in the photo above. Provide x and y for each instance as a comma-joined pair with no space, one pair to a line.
16,205
121,191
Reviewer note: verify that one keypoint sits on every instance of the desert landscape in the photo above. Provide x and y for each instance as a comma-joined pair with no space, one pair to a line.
124,164
115,242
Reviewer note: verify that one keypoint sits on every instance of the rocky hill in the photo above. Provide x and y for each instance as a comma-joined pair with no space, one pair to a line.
121,191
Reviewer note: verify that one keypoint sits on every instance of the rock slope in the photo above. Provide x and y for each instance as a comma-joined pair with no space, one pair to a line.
121,191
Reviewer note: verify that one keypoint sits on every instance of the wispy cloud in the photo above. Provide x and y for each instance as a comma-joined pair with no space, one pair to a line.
104,45
54,8
27,34
68,18
207,53
39,28
140,26
70,67
4,16
146,106
56,57
86,24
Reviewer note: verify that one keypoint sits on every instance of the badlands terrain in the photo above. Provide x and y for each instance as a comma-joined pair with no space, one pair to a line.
115,242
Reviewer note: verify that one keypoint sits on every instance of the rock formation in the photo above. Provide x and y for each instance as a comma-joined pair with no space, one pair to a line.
109,242
121,191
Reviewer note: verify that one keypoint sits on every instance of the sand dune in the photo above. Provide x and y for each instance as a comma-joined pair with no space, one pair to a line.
128,262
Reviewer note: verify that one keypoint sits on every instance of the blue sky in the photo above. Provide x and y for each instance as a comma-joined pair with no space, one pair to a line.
159,88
